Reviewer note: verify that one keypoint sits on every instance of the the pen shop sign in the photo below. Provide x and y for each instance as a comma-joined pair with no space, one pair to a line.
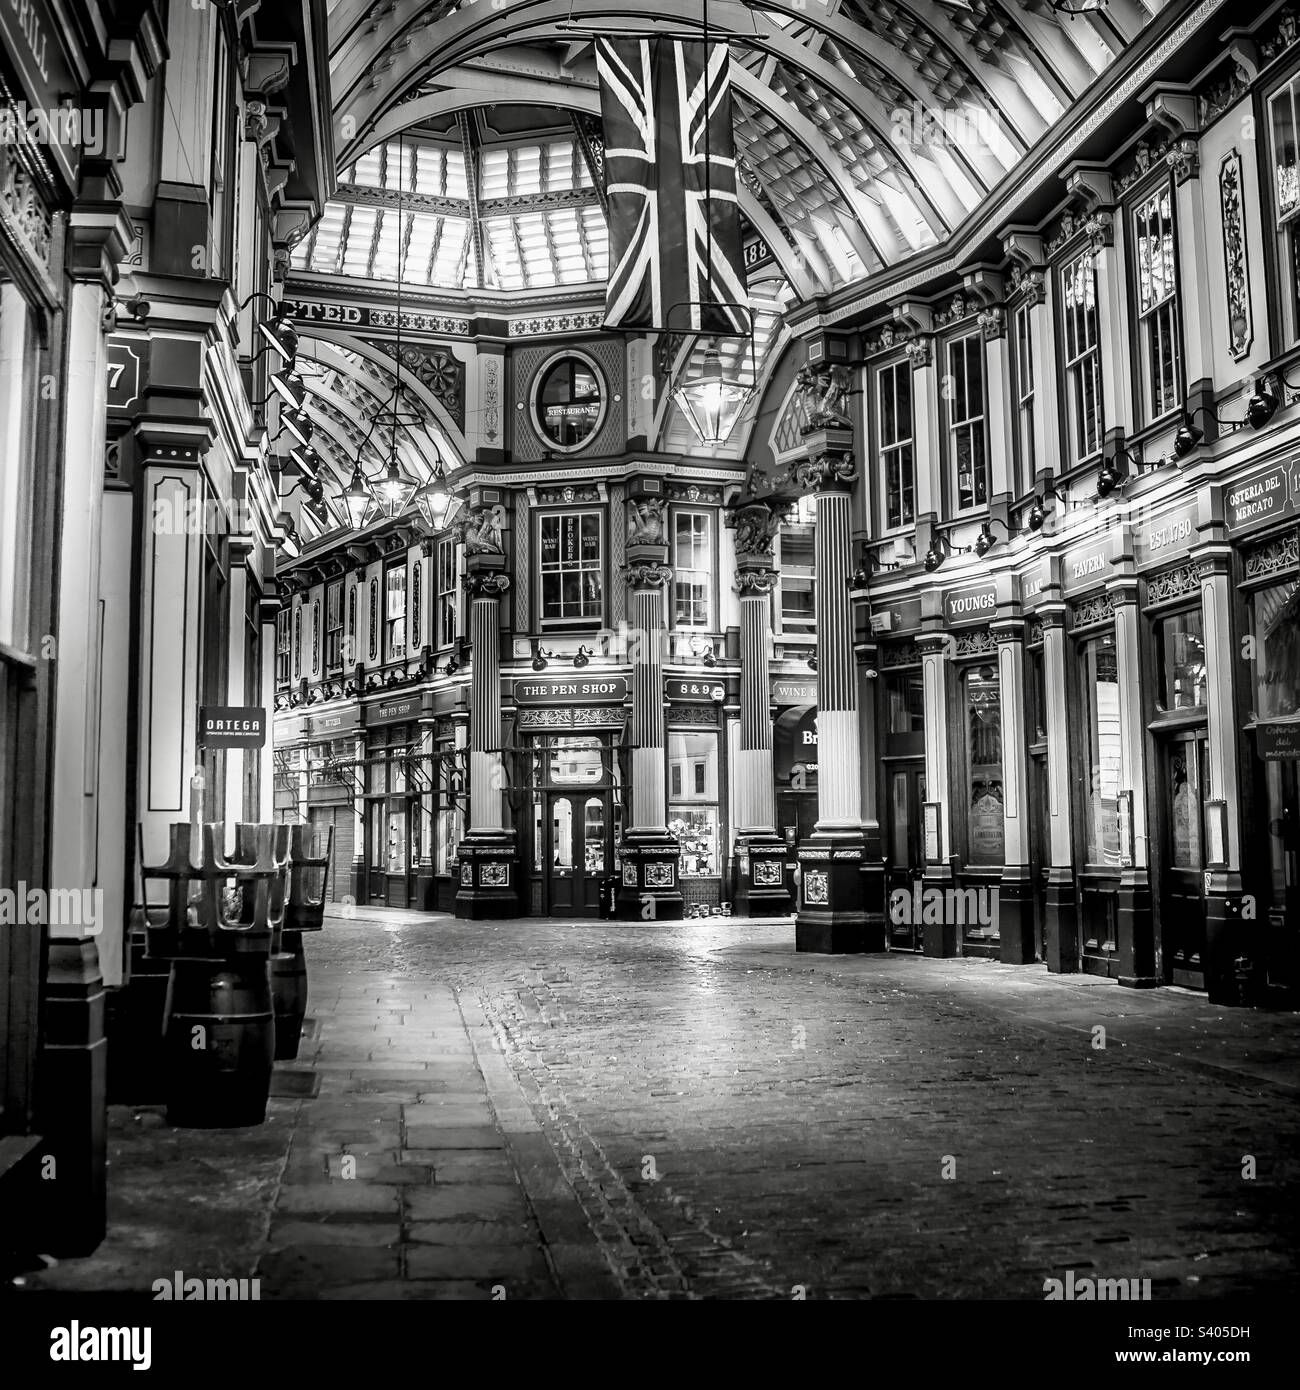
398,711
587,691
232,726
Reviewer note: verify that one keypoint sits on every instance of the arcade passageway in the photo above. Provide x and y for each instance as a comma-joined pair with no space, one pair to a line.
557,1110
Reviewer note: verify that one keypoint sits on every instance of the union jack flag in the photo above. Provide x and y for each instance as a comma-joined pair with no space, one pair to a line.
666,193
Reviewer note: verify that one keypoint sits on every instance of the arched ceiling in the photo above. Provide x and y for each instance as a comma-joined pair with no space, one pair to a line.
842,174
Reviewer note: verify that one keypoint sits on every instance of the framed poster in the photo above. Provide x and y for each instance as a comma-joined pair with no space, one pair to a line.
933,833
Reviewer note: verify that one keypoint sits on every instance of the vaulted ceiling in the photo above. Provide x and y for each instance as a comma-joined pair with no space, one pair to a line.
842,172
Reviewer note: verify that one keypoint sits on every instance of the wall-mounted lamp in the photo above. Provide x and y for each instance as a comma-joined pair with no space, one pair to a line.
582,657
299,424
288,545
936,555
540,653
986,540
812,661
702,647
278,332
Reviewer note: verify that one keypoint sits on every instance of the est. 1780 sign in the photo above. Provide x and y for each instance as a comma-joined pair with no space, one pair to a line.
232,726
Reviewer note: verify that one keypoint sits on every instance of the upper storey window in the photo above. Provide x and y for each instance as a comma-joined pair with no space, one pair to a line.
967,443
1082,358
692,569
1022,365
1284,134
572,568
1160,353
897,467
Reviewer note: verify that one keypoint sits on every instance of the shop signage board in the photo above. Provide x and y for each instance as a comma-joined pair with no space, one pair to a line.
334,725
1031,584
1086,566
30,32
588,690
787,692
232,726
1263,496
1277,742
395,711
1168,536
974,604
706,691
895,615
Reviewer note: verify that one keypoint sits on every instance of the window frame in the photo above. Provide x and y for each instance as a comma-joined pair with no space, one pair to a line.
1079,362
393,620
333,626
976,425
902,448
1144,318
583,621
1024,394
707,516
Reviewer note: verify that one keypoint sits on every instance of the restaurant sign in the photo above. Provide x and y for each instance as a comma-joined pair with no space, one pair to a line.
970,605
232,726
1168,536
342,721
794,692
574,692
1268,494
709,691
1277,742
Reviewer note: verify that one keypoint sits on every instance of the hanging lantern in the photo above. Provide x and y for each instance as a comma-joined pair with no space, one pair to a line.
437,504
712,403
357,499
394,490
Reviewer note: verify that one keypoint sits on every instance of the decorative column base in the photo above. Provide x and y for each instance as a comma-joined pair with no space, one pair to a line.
1016,917
1062,925
1135,931
488,872
648,890
760,875
73,1114
832,916
1225,941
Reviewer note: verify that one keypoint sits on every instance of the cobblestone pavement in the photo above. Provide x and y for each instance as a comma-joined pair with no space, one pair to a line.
532,1109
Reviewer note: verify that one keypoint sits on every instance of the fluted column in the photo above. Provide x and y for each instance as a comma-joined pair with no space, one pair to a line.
1016,889
760,851
832,906
649,888
1135,927
1061,901
488,856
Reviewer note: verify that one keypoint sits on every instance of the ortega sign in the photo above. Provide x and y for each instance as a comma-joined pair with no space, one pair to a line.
232,726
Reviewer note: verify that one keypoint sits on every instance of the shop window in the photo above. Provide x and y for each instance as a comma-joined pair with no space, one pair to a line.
283,654
693,815
572,568
897,466
395,613
1099,690
1160,352
692,563
985,826
446,619
387,792
576,760
967,447
1180,651
451,803
1022,366
905,702
1082,358
334,626
1275,630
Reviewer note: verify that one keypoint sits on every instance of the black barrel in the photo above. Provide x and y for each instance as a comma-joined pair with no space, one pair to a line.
289,991
219,1041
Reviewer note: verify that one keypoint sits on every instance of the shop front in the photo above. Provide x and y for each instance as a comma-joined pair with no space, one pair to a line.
794,758
901,722
395,775
568,772
333,782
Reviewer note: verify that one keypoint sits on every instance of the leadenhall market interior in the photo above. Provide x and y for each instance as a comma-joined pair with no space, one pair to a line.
565,506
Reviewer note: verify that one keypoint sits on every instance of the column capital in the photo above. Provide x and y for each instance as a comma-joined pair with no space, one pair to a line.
828,468
651,575
1008,629
755,582
934,643
480,583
